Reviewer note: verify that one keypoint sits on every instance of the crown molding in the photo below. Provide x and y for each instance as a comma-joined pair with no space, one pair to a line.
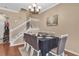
14,11
10,10
49,8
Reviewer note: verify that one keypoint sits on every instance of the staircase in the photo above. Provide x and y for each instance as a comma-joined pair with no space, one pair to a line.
20,34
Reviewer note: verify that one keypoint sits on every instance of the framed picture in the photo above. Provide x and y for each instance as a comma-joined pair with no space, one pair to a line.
52,20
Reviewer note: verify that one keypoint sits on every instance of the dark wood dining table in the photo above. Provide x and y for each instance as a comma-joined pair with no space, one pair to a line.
45,44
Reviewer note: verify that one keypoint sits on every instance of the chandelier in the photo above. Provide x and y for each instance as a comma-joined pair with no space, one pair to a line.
34,8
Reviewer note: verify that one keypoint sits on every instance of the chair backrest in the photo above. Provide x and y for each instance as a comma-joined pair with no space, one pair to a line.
61,44
31,40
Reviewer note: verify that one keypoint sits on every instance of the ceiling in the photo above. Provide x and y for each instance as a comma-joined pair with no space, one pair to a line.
17,6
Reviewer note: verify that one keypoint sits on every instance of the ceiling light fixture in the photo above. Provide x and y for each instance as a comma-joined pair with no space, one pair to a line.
34,8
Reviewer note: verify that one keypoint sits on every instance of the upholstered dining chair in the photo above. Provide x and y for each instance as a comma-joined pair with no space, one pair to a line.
31,51
59,51
35,52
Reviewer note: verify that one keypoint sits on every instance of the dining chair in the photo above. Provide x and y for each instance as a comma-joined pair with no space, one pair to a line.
35,52
59,51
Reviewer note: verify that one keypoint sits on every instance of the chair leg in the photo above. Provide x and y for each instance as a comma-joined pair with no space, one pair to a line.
62,54
29,50
38,53
47,54
27,47
32,51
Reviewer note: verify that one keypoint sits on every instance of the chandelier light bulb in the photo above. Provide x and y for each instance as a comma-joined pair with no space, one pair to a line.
29,7
34,5
39,7
37,10
32,10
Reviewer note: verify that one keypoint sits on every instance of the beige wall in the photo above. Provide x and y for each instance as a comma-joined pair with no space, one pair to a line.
68,22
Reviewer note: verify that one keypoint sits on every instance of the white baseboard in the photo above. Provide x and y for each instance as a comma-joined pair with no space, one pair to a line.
75,53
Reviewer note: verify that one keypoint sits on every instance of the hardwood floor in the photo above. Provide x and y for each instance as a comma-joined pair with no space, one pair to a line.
6,50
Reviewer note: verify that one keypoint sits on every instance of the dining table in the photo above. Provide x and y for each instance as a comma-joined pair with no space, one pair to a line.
44,44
